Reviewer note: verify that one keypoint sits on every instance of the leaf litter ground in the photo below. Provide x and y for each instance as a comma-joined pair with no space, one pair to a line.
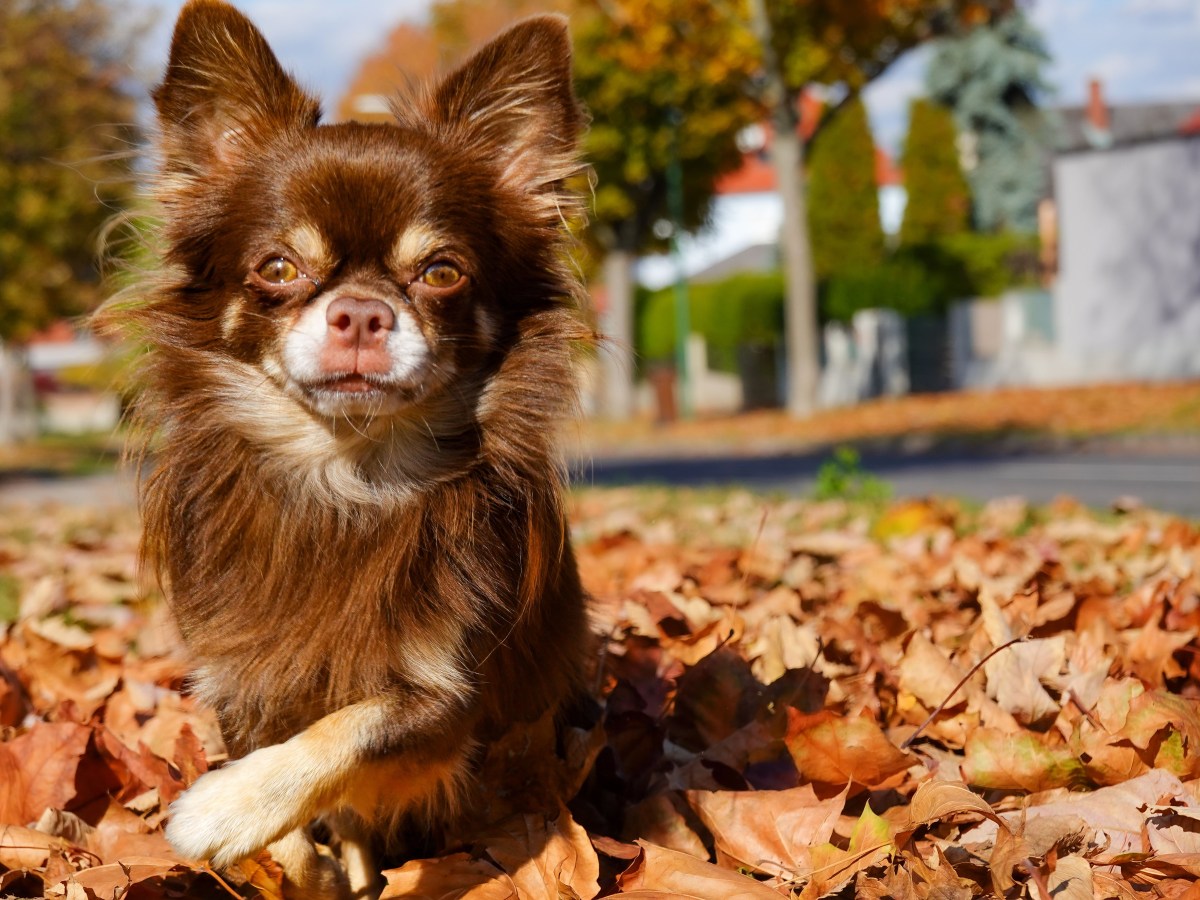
797,699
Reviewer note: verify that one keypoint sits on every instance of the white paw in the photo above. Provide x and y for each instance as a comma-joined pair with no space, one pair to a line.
234,812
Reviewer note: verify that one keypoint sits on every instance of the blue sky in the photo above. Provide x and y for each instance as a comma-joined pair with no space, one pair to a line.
1142,49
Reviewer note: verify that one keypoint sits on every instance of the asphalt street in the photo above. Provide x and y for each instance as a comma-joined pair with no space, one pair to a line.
1169,481
1165,481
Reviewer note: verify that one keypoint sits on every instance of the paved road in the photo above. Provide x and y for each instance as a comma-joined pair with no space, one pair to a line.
1166,481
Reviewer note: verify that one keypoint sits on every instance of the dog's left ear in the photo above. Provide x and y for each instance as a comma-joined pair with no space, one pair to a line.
514,101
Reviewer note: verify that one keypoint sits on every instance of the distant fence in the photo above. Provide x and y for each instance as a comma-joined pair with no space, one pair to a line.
18,403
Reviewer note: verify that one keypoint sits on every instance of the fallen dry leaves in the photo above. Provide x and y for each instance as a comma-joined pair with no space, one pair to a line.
1159,408
795,700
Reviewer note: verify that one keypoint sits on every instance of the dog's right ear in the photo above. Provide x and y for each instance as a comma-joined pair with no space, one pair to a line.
224,91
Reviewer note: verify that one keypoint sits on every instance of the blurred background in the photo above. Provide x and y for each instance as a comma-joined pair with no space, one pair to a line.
952,245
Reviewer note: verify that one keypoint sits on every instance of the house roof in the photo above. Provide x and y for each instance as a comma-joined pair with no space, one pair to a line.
756,258
1098,124
756,174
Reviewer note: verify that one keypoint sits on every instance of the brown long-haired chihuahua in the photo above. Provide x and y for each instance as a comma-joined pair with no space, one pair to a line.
360,339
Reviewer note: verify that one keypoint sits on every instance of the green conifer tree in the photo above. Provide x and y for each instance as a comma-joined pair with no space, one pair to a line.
939,201
992,77
843,197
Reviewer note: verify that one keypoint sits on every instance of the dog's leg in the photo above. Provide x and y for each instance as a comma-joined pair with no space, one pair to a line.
352,840
308,875
361,871
235,811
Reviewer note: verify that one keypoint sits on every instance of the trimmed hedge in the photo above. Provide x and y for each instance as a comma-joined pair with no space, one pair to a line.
736,311
926,278
747,309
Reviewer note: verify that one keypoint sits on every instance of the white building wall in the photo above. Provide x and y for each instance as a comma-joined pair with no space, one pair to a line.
1127,301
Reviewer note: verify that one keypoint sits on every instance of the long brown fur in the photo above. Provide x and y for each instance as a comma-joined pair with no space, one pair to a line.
324,568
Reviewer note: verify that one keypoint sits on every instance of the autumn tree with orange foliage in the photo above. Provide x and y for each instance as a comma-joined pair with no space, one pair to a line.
66,129
415,51
664,81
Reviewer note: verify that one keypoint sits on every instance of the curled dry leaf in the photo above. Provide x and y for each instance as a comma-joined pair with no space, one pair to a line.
1071,879
456,875
768,831
541,855
836,750
113,881
938,800
1023,762
1116,817
44,763
659,874
25,848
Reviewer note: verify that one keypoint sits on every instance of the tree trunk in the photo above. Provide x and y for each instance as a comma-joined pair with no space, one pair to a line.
616,324
787,157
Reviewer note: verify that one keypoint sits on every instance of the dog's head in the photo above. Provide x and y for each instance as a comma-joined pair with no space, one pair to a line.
363,270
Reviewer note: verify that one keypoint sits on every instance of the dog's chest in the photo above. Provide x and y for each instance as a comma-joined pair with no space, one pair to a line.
289,620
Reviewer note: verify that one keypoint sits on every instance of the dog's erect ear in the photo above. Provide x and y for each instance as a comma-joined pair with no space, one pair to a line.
514,101
224,90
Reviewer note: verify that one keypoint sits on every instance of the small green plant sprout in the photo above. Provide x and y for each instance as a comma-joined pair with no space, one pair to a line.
841,477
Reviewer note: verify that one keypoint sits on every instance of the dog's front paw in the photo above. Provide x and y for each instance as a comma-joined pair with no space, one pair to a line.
234,812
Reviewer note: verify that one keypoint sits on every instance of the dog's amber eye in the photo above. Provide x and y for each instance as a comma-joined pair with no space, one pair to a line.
441,275
279,271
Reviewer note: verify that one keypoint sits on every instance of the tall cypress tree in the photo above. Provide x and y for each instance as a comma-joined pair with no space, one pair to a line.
843,197
939,201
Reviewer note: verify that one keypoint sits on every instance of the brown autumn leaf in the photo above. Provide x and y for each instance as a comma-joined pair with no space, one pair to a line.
119,833
144,769
115,880
455,876
1071,879
1016,674
541,856
1026,761
24,848
713,699
657,819
768,831
833,749
937,800
871,841
1171,830
659,874
189,757
264,875
44,762
927,673
1117,816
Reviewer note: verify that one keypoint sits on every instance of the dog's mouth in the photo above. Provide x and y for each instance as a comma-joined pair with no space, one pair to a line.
350,384
355,394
